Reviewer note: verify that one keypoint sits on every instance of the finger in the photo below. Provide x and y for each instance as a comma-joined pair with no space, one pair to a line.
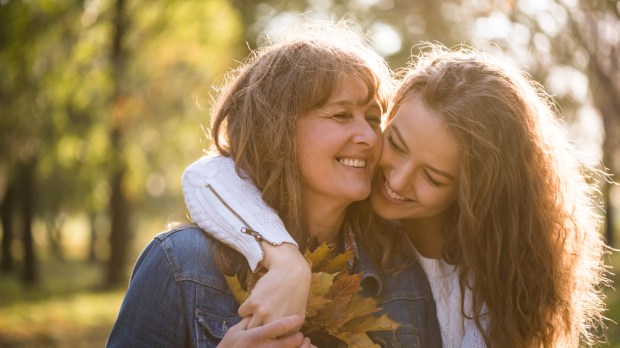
240,326
246,309
243,324
282,326
306,343
290,341
255,321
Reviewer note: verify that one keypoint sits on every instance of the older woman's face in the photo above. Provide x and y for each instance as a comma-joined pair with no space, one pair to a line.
419,167
338,145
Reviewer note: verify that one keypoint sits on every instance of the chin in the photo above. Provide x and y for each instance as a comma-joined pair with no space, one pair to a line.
360,196
380,208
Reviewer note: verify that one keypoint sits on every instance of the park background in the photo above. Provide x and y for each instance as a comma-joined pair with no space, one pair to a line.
103,103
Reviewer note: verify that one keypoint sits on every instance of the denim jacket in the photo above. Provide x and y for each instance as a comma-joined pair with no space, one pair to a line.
177,297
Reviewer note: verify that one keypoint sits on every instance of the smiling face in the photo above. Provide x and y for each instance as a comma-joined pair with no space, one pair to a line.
338,145
419,166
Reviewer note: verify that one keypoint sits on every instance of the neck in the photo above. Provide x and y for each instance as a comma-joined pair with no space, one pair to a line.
426,235
324,221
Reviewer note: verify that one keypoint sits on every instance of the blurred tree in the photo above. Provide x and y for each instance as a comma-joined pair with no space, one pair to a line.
73,96
595,26
6,211
24,127
119,204
162,65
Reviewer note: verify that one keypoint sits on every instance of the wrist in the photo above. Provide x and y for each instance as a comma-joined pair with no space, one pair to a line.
283,255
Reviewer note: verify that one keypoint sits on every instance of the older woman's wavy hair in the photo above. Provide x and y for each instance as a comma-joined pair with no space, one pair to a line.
525,229
257,111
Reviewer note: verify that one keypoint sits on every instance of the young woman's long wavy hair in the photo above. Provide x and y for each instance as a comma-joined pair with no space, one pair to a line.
257,111
525,229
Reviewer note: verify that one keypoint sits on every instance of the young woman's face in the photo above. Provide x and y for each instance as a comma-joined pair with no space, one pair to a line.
419,167
338,145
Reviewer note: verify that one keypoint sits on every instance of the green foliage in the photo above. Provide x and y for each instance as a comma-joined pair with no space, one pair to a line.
57,87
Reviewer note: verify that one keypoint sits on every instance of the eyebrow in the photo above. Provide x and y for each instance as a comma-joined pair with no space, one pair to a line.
432,169
361,102
400,136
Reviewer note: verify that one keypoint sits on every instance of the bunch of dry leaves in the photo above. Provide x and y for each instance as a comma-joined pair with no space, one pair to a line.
335,305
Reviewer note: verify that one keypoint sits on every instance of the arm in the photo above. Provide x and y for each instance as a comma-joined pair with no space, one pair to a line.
226,206
223,204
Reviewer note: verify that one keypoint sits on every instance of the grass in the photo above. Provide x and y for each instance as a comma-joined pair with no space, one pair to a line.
69,309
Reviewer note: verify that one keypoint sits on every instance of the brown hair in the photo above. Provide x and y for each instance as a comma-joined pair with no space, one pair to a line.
256,113
524,230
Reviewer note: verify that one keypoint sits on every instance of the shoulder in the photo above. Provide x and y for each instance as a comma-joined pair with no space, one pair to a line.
190,253
186,239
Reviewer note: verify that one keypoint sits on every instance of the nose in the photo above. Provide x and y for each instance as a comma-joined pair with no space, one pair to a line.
400,176
366,134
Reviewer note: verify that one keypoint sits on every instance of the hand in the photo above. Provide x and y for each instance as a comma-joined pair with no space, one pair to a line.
281,333
283,290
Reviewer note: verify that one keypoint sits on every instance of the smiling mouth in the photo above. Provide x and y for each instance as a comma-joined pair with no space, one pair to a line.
392,194
350,162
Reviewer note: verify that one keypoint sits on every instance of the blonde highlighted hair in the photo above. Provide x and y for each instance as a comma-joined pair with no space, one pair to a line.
525,229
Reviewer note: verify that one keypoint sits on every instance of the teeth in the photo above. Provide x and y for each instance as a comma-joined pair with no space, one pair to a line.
393,194
356,163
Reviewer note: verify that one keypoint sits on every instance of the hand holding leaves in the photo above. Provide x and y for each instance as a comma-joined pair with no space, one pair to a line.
335,305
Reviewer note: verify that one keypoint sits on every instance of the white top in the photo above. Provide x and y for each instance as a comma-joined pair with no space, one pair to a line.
225,205
456,330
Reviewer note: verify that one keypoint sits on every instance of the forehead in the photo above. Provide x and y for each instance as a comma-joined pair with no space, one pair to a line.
426,135
351,90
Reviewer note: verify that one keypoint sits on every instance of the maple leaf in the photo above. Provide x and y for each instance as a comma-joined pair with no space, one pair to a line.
338,263
321,283
318,257
335,305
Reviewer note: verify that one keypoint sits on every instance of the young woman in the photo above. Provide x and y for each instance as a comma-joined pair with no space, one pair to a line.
301,120
502,214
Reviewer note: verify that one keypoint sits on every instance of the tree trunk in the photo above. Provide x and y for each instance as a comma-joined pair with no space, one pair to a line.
120,234
119,205
92,242
27,182
6,211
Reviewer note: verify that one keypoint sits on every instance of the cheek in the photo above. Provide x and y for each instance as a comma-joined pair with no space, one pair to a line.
385,158
436,198
445,200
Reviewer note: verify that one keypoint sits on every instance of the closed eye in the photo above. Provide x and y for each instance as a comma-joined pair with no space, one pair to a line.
341,116
431,180
374,121
392,143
